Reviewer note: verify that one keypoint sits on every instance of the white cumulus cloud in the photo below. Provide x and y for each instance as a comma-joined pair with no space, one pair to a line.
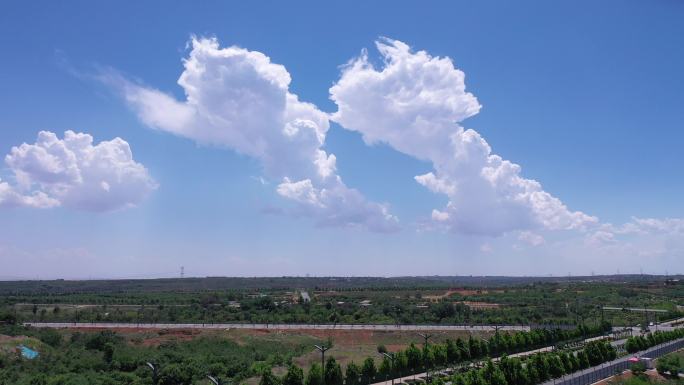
10,197
415,103
239,99
74,173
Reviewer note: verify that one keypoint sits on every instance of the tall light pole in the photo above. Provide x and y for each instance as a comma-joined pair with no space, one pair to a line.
391,358
322,349
426,337
155,372
216,380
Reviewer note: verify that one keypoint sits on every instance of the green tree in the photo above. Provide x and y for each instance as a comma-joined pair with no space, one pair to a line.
50,337
352,375
452,352
333,372
267,378
368,371
314,376
458,379
583,359
108,353
294,376
541,365
385,369
669,365
474,347
556,368
414,359
493,374
174,374
463,349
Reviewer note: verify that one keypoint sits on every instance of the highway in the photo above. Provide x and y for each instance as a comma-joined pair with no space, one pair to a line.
115,325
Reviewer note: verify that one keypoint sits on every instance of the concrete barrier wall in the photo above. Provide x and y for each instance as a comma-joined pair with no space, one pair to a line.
105,325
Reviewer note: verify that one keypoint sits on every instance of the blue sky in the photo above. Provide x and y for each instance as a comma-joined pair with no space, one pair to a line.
586,97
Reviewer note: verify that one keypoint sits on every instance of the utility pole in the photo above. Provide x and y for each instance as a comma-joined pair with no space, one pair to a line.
322,349
216,380
155,372
426,337
646,317
391,358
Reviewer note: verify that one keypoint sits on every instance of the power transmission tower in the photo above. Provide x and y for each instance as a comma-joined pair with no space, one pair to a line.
182,275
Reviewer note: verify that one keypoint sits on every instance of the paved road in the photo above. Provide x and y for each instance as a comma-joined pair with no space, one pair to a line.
112,325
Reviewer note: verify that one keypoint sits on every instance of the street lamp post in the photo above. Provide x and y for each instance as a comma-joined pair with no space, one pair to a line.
155,372
426,337
391,358
216,380
322,349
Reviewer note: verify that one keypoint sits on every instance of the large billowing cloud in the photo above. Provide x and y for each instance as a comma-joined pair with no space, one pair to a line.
74,173
414,103
239,99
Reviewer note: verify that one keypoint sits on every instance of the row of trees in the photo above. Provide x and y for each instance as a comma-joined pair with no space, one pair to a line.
454,352
637,343
508,371
537,368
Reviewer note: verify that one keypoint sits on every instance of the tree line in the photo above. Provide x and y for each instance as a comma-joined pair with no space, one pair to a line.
637,343
453,353
532,370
